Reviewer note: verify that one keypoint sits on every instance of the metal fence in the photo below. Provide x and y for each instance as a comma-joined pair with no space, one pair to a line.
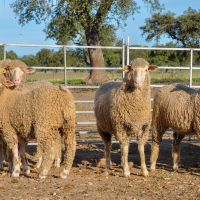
122,48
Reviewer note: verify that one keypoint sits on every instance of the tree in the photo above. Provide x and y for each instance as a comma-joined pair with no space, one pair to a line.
184,29
69,20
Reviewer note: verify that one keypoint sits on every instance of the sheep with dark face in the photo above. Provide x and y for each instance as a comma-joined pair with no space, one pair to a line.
123,109
21,116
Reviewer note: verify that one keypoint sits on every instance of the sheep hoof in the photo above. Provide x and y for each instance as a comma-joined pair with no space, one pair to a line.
146,175
15,174
64,174
43,175
127,174
36,167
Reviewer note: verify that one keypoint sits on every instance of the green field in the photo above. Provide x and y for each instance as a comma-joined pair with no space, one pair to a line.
159,76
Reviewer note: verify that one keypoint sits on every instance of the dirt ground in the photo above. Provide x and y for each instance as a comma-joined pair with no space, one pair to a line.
88,178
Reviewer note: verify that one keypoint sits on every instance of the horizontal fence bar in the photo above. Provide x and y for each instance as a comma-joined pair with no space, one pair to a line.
78,112
61,46
78,68
86,123
83,101
108,68
159,48
89,87
85,132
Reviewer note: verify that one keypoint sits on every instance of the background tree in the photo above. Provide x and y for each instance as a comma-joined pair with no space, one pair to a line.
184,29
69,20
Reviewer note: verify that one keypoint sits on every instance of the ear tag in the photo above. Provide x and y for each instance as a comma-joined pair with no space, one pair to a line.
2,71
125,69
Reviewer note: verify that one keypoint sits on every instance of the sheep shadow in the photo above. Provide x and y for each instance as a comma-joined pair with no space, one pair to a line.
90,154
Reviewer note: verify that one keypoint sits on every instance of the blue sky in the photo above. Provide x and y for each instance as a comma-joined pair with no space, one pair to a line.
13,33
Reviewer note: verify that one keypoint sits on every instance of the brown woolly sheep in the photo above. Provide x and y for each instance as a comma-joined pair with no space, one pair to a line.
21,116
175,106
123,109
16,71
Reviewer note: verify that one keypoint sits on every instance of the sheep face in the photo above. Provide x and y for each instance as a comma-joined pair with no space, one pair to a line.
17,73
138,74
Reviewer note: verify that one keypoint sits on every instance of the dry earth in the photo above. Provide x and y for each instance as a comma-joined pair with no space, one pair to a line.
88,179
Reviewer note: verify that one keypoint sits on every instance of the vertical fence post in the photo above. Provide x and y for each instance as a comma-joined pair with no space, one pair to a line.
127,61
4,51
123,58
191,60
65,65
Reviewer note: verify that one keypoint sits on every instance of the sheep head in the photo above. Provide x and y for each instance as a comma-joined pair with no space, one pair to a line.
16,71
138,69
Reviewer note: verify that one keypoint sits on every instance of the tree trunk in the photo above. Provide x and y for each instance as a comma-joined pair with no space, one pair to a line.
96,60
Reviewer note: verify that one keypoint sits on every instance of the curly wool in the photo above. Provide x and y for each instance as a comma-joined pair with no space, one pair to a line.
176,107
39,114
4,63
121,104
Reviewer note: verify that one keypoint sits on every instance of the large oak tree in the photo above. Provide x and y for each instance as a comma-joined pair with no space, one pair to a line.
69,20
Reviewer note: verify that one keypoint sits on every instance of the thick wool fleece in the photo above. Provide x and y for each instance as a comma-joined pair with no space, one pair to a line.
39,114
121,105
4,63
176,107
123,110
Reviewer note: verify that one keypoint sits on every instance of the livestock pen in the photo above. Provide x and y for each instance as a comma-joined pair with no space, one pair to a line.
124,56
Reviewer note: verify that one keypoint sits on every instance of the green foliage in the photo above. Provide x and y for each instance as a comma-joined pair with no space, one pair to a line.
71,20
184,29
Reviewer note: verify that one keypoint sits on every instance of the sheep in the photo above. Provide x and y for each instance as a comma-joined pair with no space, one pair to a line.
4,63
175,106
123,109
16,71
39,114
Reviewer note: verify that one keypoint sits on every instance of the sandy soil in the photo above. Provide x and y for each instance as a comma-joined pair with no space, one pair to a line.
88,178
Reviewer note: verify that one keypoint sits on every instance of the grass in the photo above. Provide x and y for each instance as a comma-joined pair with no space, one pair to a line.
158,76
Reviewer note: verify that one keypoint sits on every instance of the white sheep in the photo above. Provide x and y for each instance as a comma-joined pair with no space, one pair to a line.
123,109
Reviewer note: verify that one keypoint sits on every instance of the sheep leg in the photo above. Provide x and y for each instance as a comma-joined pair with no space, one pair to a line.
176,149
70,149
1,154
106,137
142,138
16,166
26,169
39,157
124,158
47,146
10,160
156,139
57,144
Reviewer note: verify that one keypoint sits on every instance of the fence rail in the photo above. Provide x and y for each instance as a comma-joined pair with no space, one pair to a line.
65,67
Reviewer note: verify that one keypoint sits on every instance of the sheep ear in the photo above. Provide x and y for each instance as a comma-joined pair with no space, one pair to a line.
152,68
127,67
30,70
5,70
8,83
